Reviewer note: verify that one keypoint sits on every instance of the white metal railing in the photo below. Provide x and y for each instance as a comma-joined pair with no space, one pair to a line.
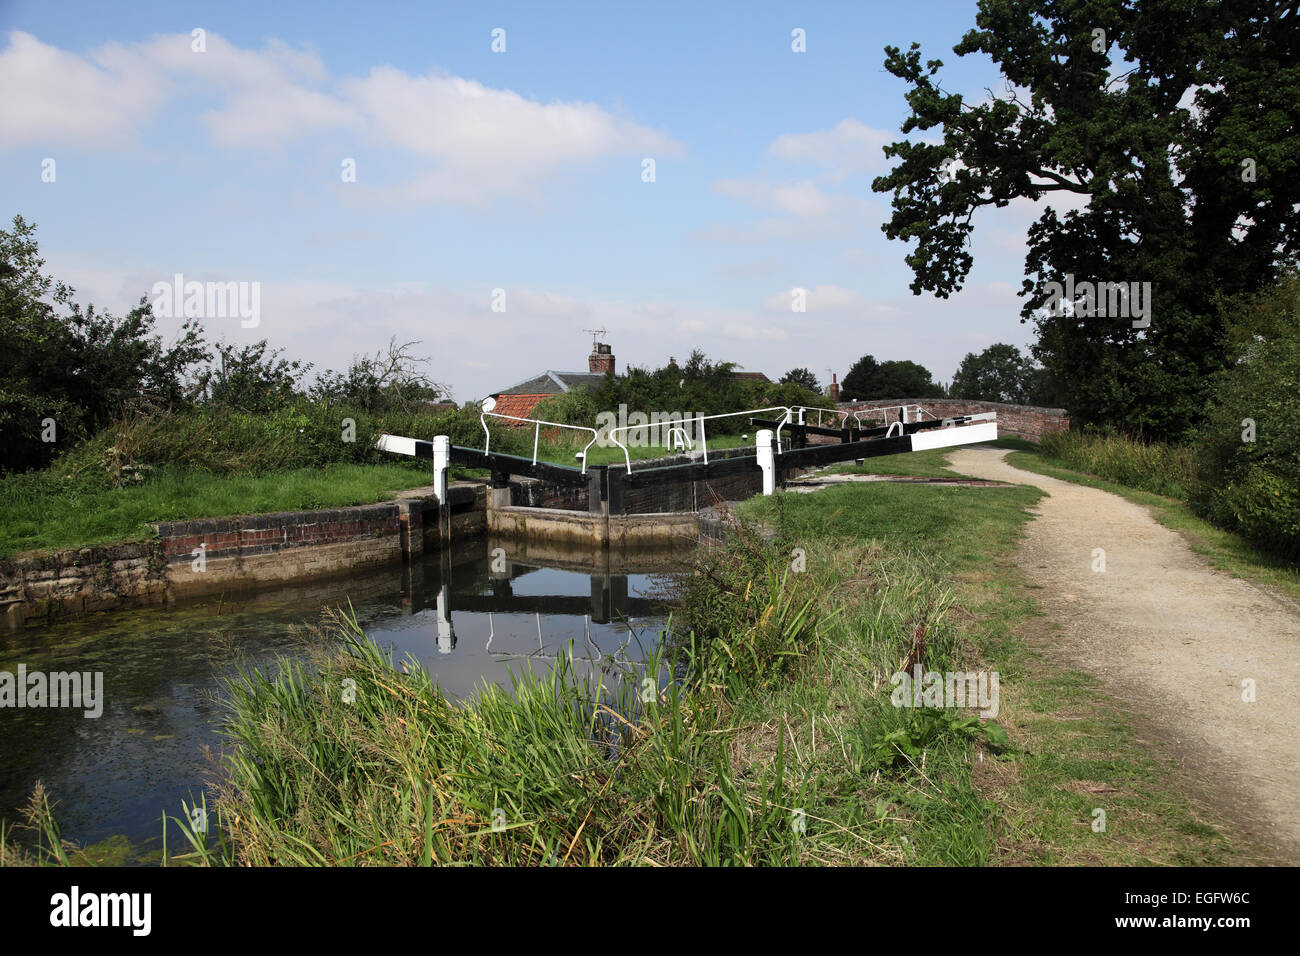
701,419
902,413
537,424
801,409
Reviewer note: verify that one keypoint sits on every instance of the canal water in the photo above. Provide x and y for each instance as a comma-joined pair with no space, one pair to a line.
468,616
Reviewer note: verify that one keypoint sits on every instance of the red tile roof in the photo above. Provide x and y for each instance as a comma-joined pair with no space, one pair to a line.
520,406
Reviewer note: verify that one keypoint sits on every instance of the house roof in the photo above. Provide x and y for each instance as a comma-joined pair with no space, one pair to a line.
750,377
552,383
517,405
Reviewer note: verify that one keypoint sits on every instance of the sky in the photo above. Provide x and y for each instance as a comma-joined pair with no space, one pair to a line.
378,170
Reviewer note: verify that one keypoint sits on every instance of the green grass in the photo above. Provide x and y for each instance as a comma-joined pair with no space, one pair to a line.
777,745
922,464
1226,551
35,517
1075,748
1012,442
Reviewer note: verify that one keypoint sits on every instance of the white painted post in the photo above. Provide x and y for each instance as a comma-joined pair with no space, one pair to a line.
767,460
441,459
446,632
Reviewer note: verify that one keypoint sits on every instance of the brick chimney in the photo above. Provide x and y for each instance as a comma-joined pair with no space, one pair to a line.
835,388
601,359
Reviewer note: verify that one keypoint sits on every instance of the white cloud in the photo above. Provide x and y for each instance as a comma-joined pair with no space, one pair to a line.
802,199
749,332
271,115
822,298
548,305
52,96
488,142
468,142
810,211
847,148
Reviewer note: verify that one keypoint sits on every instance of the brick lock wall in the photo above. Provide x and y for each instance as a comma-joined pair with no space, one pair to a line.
1021,421
270,533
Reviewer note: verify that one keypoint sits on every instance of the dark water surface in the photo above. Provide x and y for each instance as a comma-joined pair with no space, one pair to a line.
467,616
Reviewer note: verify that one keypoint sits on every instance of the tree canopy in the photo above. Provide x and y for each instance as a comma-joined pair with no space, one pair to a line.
869,379
802,377
1002,373
1171,124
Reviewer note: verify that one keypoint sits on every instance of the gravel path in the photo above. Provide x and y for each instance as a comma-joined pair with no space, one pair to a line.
1176,639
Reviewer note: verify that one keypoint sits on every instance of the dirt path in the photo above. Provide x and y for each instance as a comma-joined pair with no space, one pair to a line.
1175,639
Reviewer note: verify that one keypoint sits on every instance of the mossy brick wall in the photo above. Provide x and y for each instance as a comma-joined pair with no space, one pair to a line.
75,580
240,552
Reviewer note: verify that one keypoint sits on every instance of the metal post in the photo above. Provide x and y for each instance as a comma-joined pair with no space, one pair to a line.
766,460
441,458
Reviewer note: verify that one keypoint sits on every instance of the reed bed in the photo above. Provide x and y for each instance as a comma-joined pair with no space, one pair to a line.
1157,467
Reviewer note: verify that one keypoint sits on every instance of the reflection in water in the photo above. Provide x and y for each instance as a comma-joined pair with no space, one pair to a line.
465,615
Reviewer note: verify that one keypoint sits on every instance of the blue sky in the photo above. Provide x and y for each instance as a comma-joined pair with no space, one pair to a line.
519,170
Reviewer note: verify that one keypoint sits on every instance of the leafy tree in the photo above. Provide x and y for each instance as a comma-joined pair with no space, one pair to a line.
869,379
389,381
998,374
77,365
802,377
860,378
1198,200
1044,389
251,379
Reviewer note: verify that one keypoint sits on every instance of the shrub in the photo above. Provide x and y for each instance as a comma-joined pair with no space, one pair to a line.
1253,486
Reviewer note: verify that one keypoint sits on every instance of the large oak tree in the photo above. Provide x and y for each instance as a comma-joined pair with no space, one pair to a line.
1172,123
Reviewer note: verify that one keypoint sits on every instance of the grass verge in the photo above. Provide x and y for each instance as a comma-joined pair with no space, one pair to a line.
922,464
35,517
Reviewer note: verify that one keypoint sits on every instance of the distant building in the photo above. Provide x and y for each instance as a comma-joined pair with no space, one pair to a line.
519,399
